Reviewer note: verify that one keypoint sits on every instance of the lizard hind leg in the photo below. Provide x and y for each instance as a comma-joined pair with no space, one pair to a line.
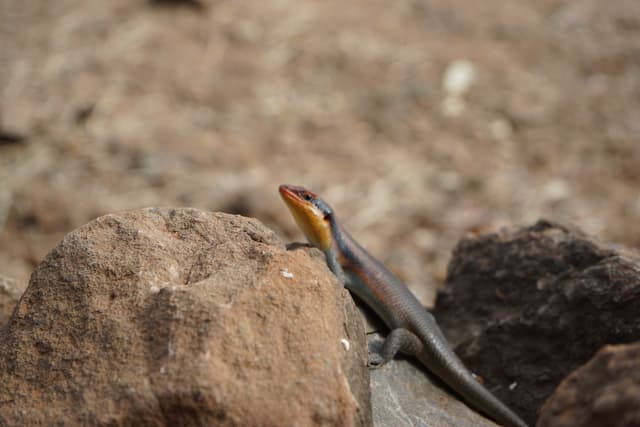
398,340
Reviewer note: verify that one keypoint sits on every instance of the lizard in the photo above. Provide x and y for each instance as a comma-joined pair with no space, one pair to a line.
413,329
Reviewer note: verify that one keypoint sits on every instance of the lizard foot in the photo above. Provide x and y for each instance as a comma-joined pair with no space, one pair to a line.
376,360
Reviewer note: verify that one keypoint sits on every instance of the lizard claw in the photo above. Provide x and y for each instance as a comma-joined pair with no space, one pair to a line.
376,361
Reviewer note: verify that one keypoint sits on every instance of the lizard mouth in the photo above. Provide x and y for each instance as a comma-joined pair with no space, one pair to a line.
287,192
295,194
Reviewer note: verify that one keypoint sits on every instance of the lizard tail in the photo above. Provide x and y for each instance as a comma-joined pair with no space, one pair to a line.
449,368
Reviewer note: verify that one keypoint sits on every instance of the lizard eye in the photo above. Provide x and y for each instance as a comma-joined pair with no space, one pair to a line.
307,197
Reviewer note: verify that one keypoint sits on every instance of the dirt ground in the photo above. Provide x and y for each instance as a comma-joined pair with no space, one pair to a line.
418,120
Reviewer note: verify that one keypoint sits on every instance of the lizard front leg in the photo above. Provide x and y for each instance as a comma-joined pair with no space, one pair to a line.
398,340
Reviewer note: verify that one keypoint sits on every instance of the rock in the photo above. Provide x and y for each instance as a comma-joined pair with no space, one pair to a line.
170,317
9,296
458,77
185,3
604,392
525,307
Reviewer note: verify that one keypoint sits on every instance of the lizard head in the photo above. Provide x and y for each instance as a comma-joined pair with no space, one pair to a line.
311,213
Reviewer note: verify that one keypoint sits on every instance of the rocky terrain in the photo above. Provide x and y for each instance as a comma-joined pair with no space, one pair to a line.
420,121
183,317
427,124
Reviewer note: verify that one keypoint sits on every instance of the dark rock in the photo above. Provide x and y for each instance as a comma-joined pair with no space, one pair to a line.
523,308
191,4
10,138
604,392
181,317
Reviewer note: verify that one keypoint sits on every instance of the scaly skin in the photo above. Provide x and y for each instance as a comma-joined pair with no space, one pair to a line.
414,330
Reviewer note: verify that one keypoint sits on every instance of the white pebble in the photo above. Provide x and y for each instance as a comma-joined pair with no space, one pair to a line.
556,190
458,77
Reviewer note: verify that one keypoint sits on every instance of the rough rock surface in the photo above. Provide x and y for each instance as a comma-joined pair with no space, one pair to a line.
181,317
525,307
604,392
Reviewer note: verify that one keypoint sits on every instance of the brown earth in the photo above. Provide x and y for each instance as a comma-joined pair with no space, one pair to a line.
107,106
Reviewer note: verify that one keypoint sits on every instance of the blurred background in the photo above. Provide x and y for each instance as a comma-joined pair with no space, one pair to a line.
420,121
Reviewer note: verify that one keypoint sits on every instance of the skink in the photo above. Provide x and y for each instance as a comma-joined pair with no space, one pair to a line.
414,330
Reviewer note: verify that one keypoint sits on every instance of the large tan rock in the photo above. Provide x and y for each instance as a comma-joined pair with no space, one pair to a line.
182,317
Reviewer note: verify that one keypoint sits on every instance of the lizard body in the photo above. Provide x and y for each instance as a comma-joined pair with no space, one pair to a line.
413,329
